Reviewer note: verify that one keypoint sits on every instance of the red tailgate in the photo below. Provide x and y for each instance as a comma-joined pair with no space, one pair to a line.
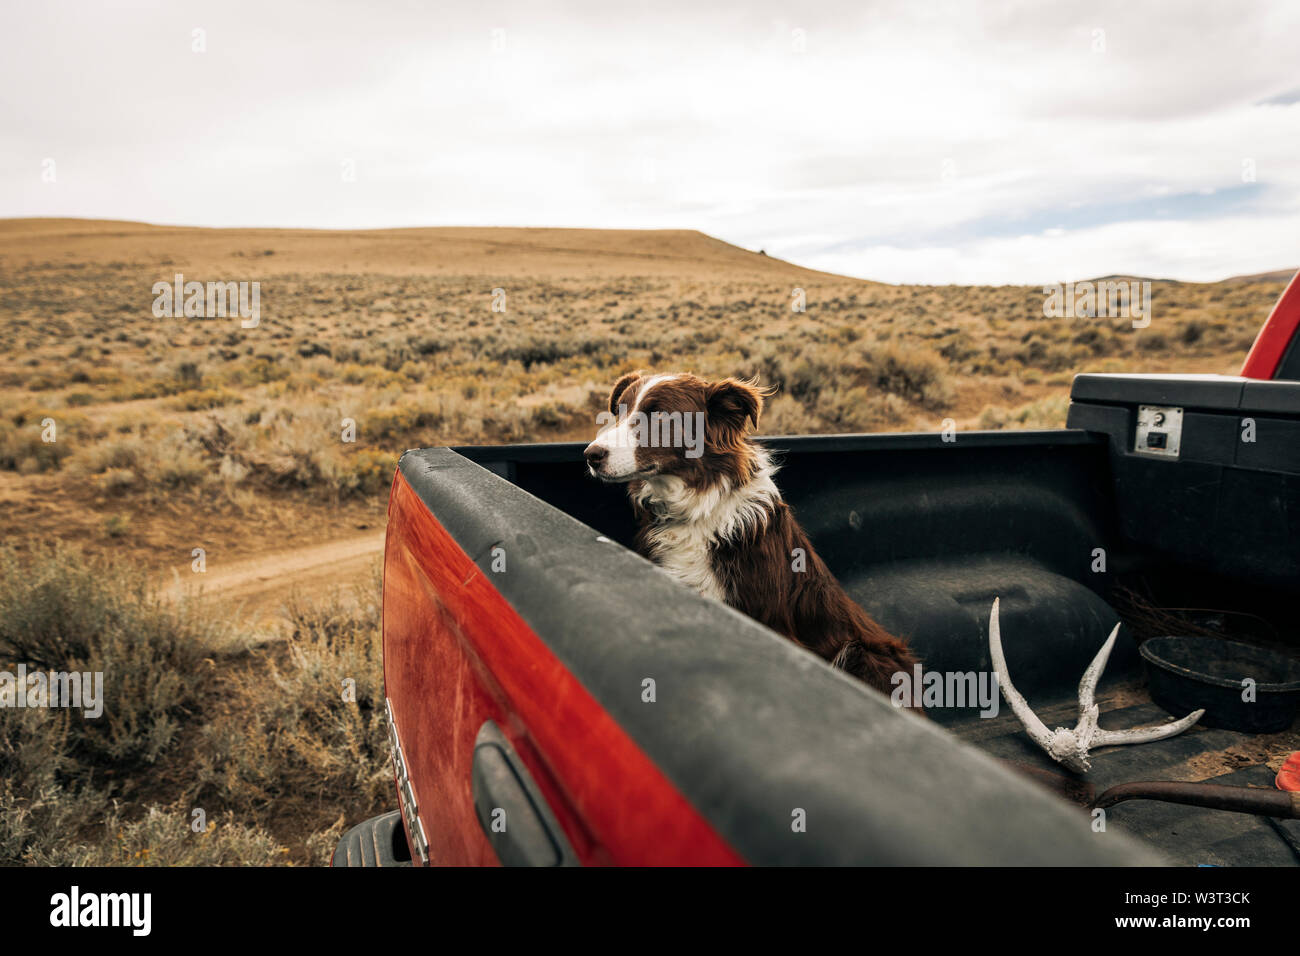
457,655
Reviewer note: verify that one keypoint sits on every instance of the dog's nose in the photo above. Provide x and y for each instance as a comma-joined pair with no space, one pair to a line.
596,455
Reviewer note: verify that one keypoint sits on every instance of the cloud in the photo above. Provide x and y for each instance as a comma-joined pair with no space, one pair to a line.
1189,250
1282,99
895,141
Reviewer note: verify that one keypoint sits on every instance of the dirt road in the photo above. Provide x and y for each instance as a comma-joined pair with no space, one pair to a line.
259,586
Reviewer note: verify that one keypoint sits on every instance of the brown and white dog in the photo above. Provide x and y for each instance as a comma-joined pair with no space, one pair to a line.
710,515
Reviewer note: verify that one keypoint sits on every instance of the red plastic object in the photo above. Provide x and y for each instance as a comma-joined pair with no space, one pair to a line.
457,654
1288,778
1271,343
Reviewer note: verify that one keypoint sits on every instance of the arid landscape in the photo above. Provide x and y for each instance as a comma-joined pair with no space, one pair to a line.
175,433
137,450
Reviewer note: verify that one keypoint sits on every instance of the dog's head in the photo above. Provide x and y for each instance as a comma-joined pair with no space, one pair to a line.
677,425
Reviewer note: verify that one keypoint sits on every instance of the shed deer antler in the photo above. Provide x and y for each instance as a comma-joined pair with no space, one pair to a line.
1066,746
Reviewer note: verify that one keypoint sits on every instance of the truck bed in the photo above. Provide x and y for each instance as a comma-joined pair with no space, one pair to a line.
925,536
520,633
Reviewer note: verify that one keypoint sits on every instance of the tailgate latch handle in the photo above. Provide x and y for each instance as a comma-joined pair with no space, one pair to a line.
511,810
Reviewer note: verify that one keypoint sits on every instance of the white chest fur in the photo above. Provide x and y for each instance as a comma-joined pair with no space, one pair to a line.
690,523
681,549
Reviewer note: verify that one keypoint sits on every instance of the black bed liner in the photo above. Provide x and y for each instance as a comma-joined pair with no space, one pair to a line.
1186,835
748,726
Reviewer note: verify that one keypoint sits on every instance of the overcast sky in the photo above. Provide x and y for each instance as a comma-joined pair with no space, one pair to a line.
907,142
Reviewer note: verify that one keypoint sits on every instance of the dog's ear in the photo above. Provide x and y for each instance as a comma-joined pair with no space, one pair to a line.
735,403
621,386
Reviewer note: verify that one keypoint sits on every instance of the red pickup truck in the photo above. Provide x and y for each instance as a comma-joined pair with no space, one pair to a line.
554,699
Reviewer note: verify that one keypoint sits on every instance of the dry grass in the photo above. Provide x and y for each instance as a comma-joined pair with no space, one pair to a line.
348,370
399,357
252,731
